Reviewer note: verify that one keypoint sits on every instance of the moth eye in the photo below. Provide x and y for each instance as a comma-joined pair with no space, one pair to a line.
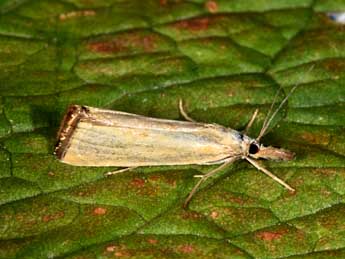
253,148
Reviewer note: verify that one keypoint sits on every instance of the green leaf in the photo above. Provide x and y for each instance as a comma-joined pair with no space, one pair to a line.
224,59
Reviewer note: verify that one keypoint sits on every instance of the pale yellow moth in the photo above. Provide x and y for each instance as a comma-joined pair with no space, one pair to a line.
96,137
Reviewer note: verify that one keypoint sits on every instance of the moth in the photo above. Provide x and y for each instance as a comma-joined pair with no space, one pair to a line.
91,136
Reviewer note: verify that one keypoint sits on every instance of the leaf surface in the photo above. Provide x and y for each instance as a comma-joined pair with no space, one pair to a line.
224,59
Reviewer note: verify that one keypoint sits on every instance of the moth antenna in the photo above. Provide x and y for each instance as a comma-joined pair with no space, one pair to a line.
268,122
250,123
269,112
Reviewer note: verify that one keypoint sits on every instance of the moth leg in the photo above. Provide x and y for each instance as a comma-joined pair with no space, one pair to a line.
204,178
183,113
265,171
250,123
120,171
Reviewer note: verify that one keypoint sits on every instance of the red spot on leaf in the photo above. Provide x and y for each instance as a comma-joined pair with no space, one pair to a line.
190,215
148,43
99,211
321,139
110,248
333,66
214,214
194,25
123,253
154,178
118,251
55,216
163,2
270,235
85,192
211,6
236,200
108,47
50,173
186,249
125,43
152,241
171,182
138,182
46,218
326,171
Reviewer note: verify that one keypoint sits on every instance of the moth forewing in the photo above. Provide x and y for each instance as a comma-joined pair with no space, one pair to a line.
97,137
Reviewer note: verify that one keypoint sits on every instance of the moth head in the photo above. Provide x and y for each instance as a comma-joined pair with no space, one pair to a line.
257,151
